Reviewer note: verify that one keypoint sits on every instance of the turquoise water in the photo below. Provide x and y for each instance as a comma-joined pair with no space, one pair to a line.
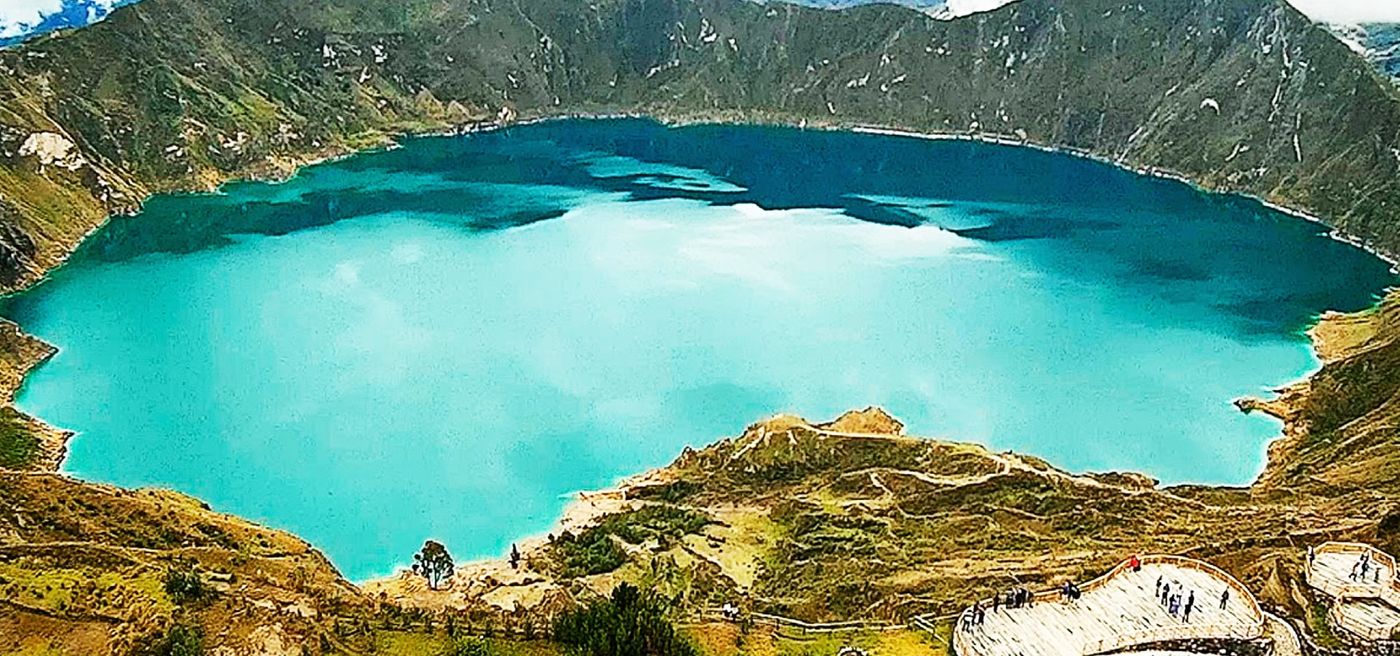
446,339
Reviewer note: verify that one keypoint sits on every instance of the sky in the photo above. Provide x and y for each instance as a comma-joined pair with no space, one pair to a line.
16,13
1327,11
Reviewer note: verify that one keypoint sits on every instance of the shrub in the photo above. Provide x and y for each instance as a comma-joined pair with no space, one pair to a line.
629,623
183,584
591,552
470,647
673,492
181,640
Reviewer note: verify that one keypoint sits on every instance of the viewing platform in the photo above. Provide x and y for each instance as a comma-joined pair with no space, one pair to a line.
1366,600
1117,611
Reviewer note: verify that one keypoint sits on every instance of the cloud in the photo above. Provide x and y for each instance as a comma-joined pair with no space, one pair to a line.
966,7
18,15
1326,11
1350,11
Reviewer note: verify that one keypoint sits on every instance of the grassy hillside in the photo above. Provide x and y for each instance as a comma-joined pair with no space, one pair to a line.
87,569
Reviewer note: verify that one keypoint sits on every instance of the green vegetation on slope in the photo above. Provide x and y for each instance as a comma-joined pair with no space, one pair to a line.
595,550
18,446
630,622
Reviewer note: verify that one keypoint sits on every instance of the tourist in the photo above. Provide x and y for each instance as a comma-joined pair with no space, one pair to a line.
1311,555
1190,603
1135,563
1224,598
1158,590
1354,569
996,602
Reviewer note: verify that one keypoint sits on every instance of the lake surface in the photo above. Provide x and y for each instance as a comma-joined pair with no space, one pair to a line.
446,339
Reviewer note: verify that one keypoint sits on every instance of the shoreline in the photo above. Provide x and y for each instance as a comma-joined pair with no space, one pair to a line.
583,509
991,138
1151,172
575,513
285,170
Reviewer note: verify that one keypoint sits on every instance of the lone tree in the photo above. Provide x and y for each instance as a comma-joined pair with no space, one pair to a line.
433,563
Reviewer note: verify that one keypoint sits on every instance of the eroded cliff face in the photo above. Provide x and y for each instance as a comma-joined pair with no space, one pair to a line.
1241,95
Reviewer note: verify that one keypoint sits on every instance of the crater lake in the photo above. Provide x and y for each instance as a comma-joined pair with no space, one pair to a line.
448,338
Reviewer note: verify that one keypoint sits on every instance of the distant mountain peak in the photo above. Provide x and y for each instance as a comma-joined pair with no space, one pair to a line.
1379,43
941,9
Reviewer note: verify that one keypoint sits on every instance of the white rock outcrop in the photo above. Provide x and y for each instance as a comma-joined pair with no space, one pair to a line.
52,149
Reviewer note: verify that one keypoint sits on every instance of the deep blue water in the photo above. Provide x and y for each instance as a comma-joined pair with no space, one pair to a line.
446,339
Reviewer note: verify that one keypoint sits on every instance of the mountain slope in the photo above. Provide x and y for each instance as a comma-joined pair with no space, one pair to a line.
1241,95
85,569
